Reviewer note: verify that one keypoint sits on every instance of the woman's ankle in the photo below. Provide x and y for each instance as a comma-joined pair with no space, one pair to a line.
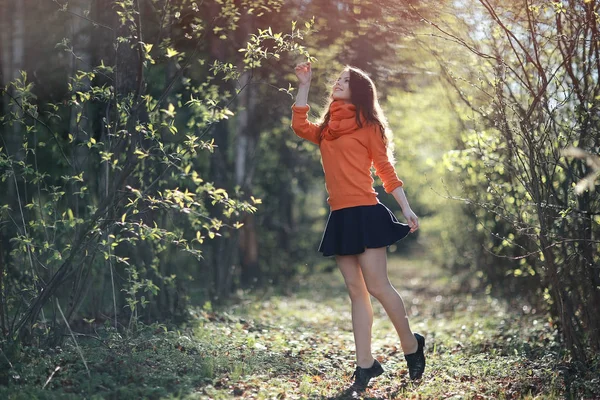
366,362
410,347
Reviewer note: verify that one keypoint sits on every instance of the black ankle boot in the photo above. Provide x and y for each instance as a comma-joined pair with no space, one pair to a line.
362,376
416,361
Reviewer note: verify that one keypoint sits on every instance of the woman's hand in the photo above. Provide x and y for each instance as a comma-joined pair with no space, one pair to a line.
412,219
304,73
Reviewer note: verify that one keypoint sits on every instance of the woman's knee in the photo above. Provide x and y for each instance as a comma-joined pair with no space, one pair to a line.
357,290
353,276
381,289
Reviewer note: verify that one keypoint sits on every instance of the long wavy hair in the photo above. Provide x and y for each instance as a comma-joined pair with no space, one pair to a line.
363,95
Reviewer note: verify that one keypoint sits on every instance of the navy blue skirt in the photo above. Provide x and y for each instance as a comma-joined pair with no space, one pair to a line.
354,229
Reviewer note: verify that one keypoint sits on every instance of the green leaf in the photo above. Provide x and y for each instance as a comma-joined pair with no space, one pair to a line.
171,52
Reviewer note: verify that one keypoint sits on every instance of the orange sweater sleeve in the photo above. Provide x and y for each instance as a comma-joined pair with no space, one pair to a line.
383,167
302,126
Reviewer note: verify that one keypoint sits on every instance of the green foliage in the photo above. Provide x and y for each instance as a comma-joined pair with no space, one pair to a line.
152,364
254,52
522,102
171,130
300,346
425,129
109,183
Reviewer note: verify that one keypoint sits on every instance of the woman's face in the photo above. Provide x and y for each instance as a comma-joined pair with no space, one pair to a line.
341,88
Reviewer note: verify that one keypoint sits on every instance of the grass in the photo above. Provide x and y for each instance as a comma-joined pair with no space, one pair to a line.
300,346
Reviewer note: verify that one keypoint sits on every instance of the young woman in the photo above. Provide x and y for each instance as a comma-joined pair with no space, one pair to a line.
352,137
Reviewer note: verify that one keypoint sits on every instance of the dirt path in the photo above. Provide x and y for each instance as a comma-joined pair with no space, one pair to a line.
301,346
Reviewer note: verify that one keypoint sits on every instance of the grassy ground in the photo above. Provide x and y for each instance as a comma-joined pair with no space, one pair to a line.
300,346
476,347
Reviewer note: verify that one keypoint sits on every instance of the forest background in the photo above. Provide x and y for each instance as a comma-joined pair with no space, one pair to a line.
148,166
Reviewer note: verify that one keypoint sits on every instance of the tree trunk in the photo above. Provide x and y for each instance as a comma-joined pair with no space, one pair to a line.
223,255
12,33
80,128
246,143
12,52
222,264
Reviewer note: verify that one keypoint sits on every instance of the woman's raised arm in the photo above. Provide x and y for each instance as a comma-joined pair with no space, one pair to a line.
304,74
300,123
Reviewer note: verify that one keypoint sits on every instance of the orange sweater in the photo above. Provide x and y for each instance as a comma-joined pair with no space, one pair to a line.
348,152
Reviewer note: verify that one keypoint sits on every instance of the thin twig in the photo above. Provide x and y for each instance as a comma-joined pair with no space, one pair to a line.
33,270
63,8
91,337
6,358
51,376
42,123
74,340
112,281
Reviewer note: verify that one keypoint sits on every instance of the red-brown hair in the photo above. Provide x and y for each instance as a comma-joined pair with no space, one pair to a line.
363,95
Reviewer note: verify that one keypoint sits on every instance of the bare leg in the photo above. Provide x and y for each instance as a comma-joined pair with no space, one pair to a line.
373,264
362,312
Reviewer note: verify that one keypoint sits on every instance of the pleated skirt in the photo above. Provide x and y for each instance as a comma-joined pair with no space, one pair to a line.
352,230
